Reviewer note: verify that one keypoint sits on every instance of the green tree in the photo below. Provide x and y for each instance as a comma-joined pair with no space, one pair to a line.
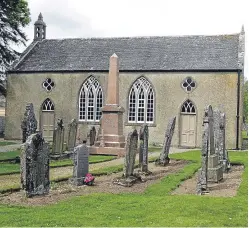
14,15
246,101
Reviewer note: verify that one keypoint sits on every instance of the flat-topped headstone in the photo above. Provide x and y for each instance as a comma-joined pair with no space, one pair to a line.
58,138
164,156
35,166
72,133
29,122
81,164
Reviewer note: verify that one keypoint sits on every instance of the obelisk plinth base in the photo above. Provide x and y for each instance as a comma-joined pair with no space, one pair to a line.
111,140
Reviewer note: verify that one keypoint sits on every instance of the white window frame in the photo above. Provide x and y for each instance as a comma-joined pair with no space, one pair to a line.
91,84
141,85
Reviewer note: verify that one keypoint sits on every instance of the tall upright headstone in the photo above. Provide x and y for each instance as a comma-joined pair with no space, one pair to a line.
202,178
112,116
131,150
164,156
92,135
143,148
72,133
58,138
220,139
35,166
29,122
215,172
81,164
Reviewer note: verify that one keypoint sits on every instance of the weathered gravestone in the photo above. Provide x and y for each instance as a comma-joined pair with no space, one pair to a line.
202,178
29,122
72,132
143,148
58,138
164,156
220,139
92,135
215,170
35,166
129,178
81,164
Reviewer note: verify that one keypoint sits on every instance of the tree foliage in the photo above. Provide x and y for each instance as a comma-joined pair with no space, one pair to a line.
14,15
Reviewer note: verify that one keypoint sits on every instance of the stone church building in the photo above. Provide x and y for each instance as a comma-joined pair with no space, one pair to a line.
159,78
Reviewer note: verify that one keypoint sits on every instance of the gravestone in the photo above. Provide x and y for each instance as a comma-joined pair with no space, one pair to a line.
164,156
220,139
92,136
58,138
131,150
81,164
72,132
143,148
29,122
35,166
202,178
215,170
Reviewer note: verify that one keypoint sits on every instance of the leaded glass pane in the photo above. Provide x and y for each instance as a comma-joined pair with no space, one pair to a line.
90,100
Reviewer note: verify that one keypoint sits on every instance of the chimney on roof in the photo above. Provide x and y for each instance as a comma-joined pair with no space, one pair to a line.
40,28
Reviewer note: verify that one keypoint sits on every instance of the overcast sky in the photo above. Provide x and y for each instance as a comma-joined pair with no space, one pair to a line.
108,18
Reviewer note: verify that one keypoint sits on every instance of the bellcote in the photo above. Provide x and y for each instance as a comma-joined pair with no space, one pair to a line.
39,28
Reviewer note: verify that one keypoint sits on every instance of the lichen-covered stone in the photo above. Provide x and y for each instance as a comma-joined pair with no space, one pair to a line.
143,148
164,156
35,166
72,132
92,135
220,139
58,138
29,122
202,178
131,150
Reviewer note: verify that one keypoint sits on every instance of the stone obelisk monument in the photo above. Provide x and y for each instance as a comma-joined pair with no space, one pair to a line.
112,137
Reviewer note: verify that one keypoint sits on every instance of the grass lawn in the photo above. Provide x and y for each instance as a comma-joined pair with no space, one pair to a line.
155,207
7,168
5,143
9,155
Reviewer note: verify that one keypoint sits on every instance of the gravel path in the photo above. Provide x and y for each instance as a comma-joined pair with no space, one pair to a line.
10,147
10,180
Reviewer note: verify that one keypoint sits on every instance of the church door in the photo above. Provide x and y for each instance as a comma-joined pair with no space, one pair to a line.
47,120
188,125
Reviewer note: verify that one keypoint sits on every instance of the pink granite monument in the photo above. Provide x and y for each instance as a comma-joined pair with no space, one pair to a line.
111,139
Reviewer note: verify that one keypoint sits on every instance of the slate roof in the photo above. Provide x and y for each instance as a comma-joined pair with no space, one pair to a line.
135,54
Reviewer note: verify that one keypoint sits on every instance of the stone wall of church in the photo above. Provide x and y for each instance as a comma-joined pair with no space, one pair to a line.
217,89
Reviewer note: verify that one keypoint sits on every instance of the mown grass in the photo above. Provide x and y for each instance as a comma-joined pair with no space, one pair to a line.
155,207
8,168
9,155
6,143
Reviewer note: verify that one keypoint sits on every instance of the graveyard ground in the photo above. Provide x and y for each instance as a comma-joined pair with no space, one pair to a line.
152,205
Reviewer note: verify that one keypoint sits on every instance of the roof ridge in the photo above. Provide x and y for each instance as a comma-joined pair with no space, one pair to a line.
139,37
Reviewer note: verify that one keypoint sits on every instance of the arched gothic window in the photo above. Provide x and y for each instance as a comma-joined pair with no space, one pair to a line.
90,100
141,102
188,107
48,105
